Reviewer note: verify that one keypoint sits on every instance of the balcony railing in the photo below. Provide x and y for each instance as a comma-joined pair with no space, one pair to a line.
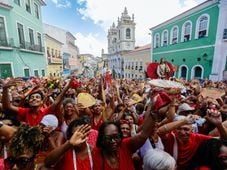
7,42
32,47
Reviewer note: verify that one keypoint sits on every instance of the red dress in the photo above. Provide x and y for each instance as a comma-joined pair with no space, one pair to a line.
125,157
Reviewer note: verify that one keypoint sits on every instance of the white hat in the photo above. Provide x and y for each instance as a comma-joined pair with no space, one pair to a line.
184,107
50,120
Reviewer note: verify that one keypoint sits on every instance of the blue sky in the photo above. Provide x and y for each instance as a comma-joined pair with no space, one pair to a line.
89,20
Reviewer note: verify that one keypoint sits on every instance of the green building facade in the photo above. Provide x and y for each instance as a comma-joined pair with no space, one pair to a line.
194,41
22,51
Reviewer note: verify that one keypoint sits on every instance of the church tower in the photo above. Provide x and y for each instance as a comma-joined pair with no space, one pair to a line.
112,39
122,36
126,32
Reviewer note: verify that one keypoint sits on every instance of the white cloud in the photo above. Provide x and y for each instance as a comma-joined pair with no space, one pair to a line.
148,13
89,44
62,3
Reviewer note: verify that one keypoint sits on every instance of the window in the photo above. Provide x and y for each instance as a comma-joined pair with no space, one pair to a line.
157,40
36,10
17,2
26,72
187,31
174,35
119,34
183,72
31,37
36,73
128,33
202,26
39,42
224,34
165,38
52,52
28,6
198,72
3,39
136,66
20,30
141,66
59,54
56,53
43,73
48,51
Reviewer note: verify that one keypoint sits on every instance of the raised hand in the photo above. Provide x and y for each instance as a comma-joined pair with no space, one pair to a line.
190,119
9,83
80,135
214,116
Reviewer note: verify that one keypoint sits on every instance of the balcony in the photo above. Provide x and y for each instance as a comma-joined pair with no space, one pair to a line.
7,43
32,47
55,60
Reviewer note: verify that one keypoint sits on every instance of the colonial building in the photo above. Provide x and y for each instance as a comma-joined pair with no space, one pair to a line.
21,39
121,39
89,65
195,41
70,51
54,56
135,62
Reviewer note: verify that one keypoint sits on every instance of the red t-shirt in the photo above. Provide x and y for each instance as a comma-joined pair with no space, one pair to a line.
185,151
125,157
25,115
66,163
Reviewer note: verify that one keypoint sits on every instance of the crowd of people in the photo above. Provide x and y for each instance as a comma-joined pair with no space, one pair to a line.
99,124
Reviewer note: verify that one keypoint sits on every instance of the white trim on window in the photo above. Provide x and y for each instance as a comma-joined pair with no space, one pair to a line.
11,65
18,34
193,71
34,72
28,70
179,73
38,10
6,29
158,45
183,28
45,72
171,35
163,32
197,25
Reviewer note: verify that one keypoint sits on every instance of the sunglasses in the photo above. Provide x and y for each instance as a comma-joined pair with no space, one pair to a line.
116,137
21,162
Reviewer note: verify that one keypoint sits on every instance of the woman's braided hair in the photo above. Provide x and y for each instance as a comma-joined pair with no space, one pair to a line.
26,138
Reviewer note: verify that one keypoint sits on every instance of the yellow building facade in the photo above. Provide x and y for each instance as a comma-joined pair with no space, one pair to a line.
54,56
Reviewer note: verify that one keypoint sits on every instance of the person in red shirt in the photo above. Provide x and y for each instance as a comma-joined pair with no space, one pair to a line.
181,143
34,114
75,153
97,118
114,153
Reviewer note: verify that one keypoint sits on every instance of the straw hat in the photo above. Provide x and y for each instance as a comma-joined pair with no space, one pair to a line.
85,100
135,99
